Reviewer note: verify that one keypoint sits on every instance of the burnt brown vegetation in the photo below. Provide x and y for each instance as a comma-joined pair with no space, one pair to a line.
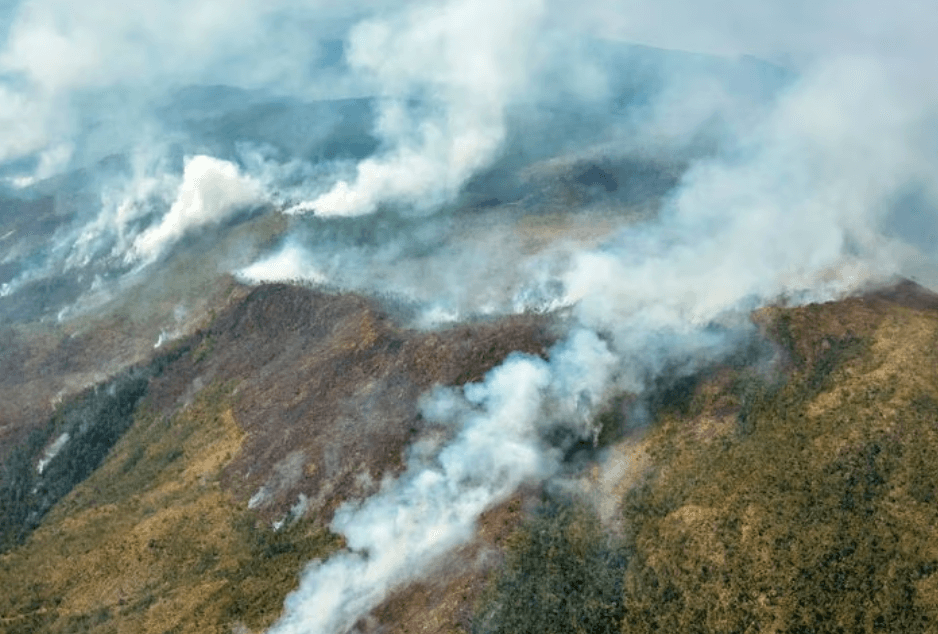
289,395
328,388
795,497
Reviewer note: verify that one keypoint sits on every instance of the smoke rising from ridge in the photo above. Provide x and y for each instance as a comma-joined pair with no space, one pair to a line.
672,292
464,59
793,207
487,158
433,508
211,191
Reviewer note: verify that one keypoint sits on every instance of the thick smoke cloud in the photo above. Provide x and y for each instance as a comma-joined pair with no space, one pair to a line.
433,508
459,182
793,211
211,192
63,63
794,206
403,529
464,60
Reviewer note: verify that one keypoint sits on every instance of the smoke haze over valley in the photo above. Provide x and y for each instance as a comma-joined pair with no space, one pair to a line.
624,184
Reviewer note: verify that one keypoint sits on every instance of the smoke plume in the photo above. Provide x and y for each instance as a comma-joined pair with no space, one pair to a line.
211,191
464,61
433,508
657,170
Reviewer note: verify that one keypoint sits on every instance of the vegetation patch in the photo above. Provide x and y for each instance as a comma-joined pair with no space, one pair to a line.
151,543
796,503
813,519
38,473
803,505
562,574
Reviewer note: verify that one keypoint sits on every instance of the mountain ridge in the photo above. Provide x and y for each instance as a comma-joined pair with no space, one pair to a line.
179,461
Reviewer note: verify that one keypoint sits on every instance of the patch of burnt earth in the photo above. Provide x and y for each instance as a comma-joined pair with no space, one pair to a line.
909,294
279,395
328,389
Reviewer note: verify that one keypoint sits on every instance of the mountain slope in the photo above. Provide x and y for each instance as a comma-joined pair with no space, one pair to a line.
288,404
795,502
791,494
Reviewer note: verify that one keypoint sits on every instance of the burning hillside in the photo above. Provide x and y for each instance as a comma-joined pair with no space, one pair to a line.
466,316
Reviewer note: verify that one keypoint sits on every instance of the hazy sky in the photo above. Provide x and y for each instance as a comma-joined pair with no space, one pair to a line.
794,31
56,51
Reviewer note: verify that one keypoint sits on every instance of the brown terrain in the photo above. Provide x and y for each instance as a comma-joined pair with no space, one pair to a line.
287,393
791,494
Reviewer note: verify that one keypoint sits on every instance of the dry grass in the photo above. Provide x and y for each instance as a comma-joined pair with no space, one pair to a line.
804,502
819,516
291,390
150,542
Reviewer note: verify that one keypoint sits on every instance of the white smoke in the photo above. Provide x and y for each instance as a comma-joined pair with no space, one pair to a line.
124,209
143,215
465,59
666,293
50,162
52,451
290,264
794,207
62,63
400,532
791,199
797,209
211,192
436,264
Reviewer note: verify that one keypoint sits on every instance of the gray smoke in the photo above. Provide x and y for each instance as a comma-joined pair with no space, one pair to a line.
797,217
464,60
792,205
658,170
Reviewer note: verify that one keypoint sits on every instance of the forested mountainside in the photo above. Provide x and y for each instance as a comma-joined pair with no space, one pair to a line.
789,488
468,317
